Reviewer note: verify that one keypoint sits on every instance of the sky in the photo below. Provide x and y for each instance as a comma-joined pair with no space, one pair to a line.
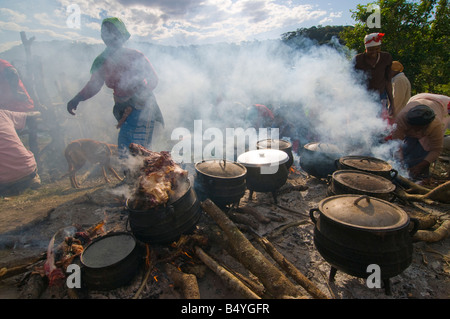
169,22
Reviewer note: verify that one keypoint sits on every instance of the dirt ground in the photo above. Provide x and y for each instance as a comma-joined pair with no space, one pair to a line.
29,221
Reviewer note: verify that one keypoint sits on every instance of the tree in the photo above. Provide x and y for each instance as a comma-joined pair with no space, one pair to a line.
417,35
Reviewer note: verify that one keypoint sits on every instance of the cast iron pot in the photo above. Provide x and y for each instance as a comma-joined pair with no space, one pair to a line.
266,171
281,145
360,183
352,232
367,164
221,181
166,223
110,261
319,159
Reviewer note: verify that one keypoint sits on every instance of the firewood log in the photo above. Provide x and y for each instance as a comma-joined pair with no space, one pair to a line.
296,274
276,283
186,282
255,213
229,279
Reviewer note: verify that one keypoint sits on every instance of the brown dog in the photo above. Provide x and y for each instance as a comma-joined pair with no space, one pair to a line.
78,151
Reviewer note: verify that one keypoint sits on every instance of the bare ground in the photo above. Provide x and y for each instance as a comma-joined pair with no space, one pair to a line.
30,220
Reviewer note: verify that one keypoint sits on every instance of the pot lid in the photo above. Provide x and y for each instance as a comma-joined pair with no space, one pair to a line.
277,144
221,168
366,163
322,147
108,250
363,181
363,212
263,157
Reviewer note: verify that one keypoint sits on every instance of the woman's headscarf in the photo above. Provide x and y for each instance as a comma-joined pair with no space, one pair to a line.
125,35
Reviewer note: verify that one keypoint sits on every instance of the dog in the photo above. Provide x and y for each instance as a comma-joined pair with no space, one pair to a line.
82,150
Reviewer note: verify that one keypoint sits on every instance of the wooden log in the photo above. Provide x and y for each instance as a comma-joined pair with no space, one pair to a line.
243,219
440,233
270,276
186,282
22,267
296,274
34,287
229,279
253,212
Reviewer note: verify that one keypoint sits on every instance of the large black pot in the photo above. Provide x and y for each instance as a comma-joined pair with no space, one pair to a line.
367,164
221,181
166,223
360,183
110,261
319,159
281,145
353,232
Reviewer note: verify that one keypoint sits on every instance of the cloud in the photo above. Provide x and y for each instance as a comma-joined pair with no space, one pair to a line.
8,15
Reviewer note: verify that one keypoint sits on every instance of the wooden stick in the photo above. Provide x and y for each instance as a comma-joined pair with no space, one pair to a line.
143,284
270,276
290,268
187,282
225,275
278,231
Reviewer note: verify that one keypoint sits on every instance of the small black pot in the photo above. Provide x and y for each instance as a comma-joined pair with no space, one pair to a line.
266,169
319,159
222,181
110,261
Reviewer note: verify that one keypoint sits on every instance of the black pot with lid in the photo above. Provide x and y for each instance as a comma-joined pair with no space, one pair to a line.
281,145
266,170
221,181
367,164
359,182
353,231
319,159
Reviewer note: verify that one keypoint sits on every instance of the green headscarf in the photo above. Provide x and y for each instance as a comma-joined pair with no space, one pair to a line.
120,26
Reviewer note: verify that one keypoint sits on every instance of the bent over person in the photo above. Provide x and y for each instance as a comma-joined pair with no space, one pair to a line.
132,78
421,126
18,168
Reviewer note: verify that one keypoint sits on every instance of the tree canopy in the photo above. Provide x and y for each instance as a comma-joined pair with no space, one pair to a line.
416,34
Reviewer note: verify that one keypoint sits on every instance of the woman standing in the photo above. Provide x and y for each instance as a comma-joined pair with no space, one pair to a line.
132,78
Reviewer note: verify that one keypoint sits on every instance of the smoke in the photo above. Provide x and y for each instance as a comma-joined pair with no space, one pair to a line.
315,89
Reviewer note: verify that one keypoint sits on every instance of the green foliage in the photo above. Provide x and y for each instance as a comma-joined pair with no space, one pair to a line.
322,35
417,35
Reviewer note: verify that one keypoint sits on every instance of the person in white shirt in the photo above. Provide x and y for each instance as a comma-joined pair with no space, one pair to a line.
401,88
